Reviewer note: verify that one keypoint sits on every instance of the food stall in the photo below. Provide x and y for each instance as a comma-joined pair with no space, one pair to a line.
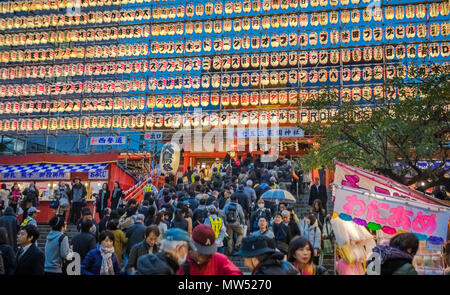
48,170
370,209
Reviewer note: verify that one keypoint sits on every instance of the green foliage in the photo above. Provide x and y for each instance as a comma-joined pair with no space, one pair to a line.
414,128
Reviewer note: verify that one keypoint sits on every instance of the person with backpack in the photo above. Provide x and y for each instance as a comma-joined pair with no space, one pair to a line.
57,248
235,219
218,226
216,179
200,214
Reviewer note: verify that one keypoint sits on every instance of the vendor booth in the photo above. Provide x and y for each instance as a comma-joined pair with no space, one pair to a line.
48,170
370,209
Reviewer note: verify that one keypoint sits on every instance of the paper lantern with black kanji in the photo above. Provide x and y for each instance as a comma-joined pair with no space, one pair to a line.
224,118
36,124
195,119
176,121
204,118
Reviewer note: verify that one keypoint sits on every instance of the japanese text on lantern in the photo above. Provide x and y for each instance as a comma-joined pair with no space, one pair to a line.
397,217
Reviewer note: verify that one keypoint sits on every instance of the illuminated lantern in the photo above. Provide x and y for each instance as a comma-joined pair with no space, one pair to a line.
195,100
254,98
265,97
264,118
125,122
234,118
205,119
273,117
195,119
36,124
224,118
176,121
225,99
204,99
170,158
366,93
273,97
245,99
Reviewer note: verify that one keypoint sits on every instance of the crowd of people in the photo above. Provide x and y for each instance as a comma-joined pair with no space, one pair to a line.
189,226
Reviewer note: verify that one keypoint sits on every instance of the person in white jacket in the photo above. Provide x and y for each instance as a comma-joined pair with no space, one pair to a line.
309,228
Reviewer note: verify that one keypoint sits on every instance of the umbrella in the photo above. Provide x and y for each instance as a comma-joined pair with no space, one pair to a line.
278,195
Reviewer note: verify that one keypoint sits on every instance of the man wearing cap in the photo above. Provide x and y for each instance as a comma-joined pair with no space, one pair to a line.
205,260
76,197
218,227
261,258
31,218
217,165
174,251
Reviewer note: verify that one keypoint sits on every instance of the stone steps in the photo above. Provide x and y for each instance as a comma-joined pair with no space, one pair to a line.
44,230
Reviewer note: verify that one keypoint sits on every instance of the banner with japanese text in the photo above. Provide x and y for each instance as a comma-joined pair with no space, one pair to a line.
392,215
358,178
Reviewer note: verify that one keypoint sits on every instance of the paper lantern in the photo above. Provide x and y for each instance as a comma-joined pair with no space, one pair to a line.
225,99
170,158
204,118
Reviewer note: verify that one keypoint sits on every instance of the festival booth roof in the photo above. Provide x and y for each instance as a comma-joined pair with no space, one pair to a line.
358,178
58,163
59,159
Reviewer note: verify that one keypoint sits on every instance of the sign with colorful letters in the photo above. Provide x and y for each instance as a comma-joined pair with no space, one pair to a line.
108,140
392,215
34,175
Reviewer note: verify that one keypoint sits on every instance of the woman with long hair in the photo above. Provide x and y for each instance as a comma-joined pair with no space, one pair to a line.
300,254
15,196
319,212
162,226
116,196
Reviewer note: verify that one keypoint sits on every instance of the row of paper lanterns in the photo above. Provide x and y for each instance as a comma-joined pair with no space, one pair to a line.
226,43
215,81
168,120
253,24
233,99
50,54
38,5
276,21
76,35
141,49
254,42
190,10
254,79
107,86
313,38
75,69
245,61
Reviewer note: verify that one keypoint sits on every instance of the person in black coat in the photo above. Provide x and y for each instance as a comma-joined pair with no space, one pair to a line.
116,196
104,220
135,233
244,200
261,258
29,259
30,199
9,222
7,253
318,191
102,201
85,241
